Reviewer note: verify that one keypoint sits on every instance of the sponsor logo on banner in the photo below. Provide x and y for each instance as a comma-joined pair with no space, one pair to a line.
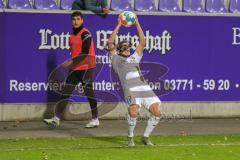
153,43
52,41
160,43
236,36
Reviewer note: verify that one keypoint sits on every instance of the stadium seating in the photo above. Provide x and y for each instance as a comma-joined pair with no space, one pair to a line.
145,6
193,6
45,4
216,6
19,4
169,6
1,4
66,4
122,5
234,6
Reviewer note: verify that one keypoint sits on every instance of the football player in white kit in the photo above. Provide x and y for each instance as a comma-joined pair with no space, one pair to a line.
137,92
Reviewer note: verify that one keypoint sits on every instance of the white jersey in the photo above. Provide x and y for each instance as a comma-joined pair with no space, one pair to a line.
133,84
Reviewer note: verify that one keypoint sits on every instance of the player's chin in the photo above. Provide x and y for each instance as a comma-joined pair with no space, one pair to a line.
76,26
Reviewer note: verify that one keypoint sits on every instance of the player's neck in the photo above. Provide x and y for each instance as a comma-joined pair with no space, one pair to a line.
77,30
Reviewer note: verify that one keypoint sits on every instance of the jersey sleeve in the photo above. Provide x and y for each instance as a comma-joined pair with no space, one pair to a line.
115,59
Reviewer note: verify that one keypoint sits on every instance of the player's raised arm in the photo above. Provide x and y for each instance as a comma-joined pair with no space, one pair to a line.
141,36
111,44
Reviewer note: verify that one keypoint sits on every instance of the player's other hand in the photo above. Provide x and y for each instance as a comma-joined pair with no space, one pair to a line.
106,10
67,64
119,20
137,22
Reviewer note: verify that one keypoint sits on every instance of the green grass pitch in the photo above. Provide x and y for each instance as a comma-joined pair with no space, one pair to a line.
171,147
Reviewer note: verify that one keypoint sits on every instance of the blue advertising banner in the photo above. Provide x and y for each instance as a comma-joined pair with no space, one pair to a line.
2,58
196,56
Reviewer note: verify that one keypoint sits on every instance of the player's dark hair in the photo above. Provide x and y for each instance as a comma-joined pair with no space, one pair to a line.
120,44
76,14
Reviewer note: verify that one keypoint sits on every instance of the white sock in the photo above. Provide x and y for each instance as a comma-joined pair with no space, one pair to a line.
151,124
131,125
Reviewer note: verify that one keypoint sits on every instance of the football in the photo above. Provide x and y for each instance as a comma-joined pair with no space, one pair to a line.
128,18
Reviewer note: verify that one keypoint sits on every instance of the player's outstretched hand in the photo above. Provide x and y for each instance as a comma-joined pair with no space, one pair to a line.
119,20
137,22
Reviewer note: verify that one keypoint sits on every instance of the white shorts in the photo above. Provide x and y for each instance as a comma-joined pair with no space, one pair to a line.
146,102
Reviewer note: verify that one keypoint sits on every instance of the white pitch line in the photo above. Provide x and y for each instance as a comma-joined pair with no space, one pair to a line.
108,147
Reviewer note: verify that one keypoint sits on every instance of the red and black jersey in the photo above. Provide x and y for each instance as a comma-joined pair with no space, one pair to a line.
82,49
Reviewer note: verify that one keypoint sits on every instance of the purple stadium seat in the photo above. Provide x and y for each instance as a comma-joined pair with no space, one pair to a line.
169,6
145,5
19,4
45,4
216,6
235,6
193,6
122,5
66,4
1,4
